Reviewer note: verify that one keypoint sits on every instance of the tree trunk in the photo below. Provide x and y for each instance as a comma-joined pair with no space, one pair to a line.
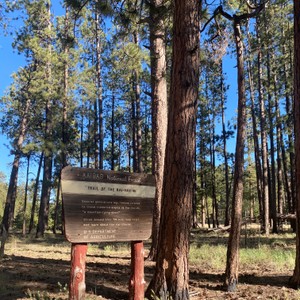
159,111
258,167
212,170
65,125
232,263
272,181
295,280
45,197
138,121
36,187
46,187
99,90
226,167
25,197
280,191
55,218
265,177
172,271
112,164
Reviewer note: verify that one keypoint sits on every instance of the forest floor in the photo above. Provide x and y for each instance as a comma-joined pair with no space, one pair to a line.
39,269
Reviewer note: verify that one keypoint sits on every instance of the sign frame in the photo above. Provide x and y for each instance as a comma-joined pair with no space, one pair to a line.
106,206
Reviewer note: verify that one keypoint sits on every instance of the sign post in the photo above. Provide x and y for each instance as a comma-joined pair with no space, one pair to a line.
77,276
137,282
107,206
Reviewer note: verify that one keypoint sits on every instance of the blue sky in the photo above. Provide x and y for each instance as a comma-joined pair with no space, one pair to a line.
10,62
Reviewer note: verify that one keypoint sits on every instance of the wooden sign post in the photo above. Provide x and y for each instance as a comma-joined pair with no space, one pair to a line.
107,206
77,276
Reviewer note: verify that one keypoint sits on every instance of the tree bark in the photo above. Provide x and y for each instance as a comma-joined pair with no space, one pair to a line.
112,163
232,262
295,280
36,187
225,154
47,172
159,110
264,149
99,90
25,197
172,271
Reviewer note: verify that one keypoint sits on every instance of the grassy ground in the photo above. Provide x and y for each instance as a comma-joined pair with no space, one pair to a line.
39,269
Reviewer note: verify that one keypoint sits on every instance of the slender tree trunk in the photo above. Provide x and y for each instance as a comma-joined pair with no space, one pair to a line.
35,193
65,125
258,167
45,197
81,140
289,171
265,177
25,197
272,178
112,164
55,219
212,171
171,274
99,90
295,280
232,262
137,89
95,132
280,180
159,111
47,174
226,167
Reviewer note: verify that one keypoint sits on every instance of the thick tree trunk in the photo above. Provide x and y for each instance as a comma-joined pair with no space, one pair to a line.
171,277
159,111
295,280
232,263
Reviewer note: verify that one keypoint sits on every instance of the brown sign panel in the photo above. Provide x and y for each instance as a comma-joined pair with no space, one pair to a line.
103,206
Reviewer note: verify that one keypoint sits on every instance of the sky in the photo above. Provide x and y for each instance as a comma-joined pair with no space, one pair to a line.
11,61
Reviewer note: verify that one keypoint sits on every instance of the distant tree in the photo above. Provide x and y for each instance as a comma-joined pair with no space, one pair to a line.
21,114
48,126
232,262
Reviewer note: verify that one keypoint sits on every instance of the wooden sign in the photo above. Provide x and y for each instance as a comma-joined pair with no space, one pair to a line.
104,206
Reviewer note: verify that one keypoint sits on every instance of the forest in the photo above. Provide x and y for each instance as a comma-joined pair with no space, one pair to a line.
201,94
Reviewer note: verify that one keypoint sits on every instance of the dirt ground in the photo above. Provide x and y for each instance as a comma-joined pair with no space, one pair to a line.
39,269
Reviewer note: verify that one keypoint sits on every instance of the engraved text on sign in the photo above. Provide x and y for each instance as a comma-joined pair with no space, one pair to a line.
106,205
